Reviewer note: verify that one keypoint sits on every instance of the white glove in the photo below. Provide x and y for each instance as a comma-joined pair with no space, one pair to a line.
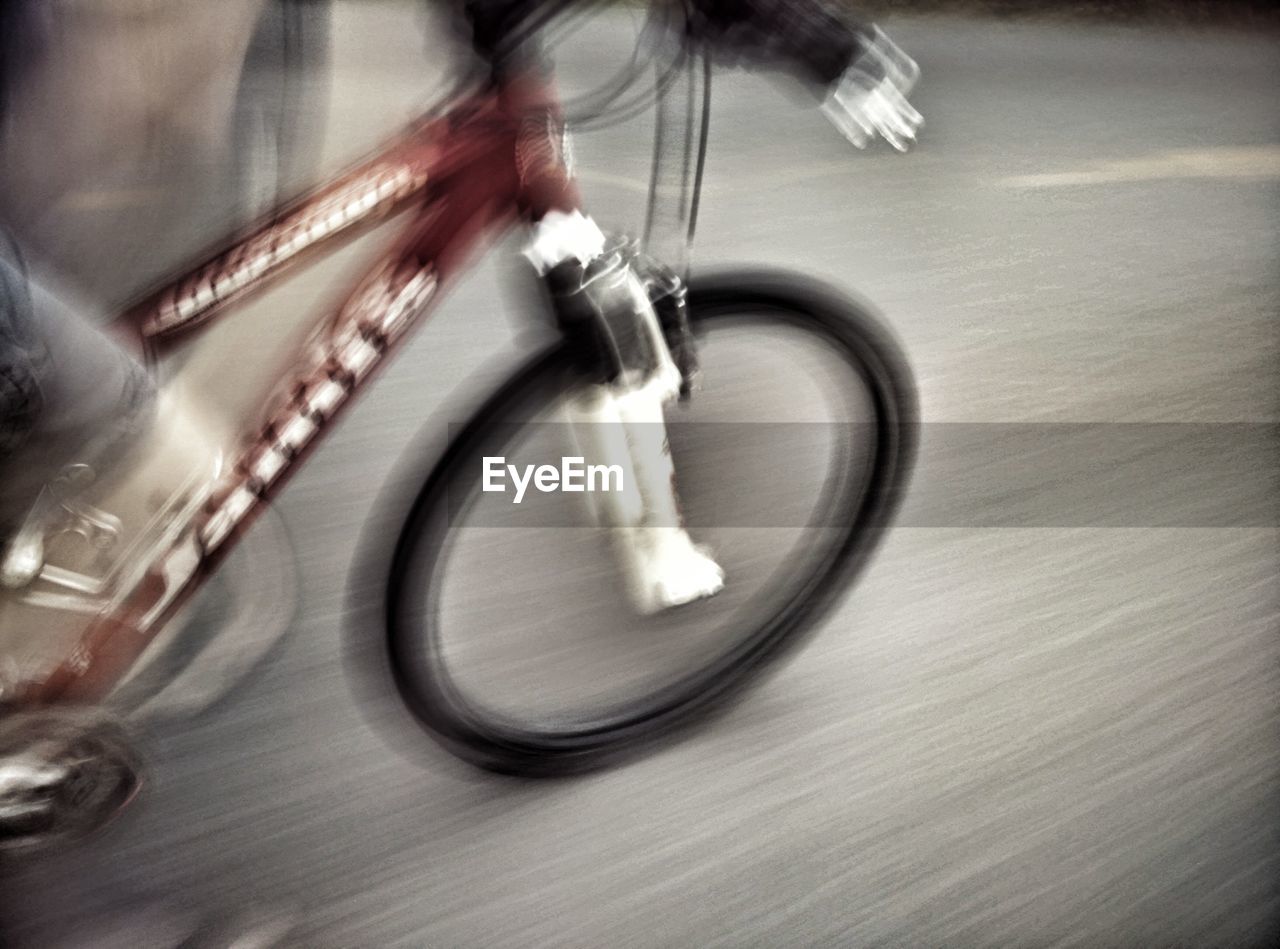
863,105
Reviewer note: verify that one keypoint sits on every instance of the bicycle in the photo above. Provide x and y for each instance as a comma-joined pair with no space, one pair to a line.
161,525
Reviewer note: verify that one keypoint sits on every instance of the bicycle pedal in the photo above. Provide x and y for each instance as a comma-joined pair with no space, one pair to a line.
64,773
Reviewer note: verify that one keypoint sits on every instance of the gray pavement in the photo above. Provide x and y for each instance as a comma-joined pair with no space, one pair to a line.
1027,735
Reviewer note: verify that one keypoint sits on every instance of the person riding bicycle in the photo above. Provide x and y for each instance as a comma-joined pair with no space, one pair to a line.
67,394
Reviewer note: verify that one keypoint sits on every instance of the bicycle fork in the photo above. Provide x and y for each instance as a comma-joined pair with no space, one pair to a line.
607,311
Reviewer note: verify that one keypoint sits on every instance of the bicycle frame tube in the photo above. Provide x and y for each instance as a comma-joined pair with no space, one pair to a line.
464,175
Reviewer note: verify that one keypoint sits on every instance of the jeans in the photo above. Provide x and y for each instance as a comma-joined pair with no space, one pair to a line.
67,393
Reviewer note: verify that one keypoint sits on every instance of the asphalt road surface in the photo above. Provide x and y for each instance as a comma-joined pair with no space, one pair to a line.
1031,728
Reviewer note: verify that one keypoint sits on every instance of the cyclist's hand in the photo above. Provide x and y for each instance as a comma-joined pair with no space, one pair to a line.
862,74
869,99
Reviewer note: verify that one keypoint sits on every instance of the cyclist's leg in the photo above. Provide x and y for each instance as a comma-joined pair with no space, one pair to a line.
23,359
69,395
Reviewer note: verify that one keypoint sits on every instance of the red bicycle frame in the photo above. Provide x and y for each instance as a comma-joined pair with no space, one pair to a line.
486,163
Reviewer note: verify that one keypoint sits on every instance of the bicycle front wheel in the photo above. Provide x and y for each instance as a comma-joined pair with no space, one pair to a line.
508,637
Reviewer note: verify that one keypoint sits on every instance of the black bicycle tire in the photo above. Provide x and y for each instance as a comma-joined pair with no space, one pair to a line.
496,746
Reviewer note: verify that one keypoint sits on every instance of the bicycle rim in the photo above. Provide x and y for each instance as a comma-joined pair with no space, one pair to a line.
861,507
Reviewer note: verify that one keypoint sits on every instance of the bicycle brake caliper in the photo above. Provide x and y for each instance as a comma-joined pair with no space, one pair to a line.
670,299
607,296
